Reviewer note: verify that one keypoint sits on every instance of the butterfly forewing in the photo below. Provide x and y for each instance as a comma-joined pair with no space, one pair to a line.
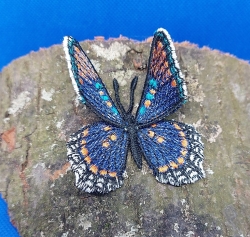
164,89
97,154
174,152
87,83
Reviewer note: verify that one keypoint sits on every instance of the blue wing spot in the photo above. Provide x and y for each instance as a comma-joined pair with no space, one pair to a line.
142,110
98,86
153,83
83,100
149,96
104,97
114,110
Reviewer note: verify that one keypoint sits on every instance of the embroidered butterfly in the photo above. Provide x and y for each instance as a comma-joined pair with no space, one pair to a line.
98,152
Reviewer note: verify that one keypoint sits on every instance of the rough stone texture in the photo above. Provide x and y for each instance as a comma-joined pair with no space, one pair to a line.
39,112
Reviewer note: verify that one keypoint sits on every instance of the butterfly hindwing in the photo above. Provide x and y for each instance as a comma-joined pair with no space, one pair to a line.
174,152
87,83
97,154
164,89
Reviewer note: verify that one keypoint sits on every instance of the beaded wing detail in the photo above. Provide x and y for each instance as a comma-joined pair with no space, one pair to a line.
98,152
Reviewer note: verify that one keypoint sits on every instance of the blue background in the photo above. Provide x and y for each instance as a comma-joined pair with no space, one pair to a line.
27,25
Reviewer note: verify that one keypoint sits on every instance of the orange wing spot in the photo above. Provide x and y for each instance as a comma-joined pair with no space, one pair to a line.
153,125
184,143
93,169
87,159
184,152
163,168
77,57
107,128
177,126
105,144
103,172
85,132
109,104
182,134
78,65
147,103
169,73
152,91
160,139
173,83
84,142
85,151
112,174
76,49
164,54
173,165
113,137
181,160
81,81
151,133
166,64
159,44
101,93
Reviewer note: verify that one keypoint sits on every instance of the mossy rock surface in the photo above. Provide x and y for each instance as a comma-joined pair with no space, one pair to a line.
39,112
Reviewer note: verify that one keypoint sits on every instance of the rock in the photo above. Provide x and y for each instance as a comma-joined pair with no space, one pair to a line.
39,112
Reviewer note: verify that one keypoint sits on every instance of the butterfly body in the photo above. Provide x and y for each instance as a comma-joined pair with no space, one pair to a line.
131,128
98,152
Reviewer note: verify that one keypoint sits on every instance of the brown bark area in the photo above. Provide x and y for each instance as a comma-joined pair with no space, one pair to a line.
38,113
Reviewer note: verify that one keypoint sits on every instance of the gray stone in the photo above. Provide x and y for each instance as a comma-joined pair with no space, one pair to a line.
39,112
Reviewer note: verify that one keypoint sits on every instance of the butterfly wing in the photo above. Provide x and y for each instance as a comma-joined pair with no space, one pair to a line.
164,89
174,152
87,83
97,154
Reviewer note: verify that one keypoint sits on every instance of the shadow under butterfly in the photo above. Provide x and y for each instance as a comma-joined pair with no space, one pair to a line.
98,152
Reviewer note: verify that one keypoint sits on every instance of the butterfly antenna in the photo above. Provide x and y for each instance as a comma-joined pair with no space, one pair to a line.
117,97
132,94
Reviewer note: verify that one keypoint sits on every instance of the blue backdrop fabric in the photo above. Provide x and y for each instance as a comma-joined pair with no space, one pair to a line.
28,25
6,228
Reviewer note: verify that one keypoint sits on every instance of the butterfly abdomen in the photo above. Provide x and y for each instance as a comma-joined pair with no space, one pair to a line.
132,130
135,148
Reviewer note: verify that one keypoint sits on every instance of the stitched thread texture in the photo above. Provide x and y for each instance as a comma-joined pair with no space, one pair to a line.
98,152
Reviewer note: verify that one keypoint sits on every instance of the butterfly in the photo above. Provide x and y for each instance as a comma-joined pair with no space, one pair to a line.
98,152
